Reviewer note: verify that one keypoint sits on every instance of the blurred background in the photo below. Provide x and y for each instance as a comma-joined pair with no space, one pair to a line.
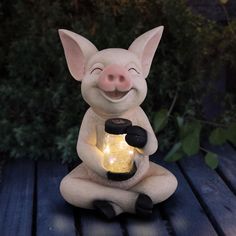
192,89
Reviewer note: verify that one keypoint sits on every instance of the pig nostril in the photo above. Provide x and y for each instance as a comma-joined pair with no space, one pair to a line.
122,78
110,77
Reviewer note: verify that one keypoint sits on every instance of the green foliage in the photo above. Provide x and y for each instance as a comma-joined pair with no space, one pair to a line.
190,137
211,160
220,135
41,105
180,121
160,120
175,153
217,136
231,133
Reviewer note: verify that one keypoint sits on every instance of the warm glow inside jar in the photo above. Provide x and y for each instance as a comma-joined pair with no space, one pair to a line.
118,155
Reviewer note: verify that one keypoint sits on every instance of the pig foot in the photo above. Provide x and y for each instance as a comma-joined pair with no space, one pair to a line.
104,208
143,205
108,209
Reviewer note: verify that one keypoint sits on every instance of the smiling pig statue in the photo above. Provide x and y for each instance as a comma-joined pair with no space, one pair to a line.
116,138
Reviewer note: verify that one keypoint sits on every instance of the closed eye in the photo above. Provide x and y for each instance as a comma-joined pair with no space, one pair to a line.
133,70
97,69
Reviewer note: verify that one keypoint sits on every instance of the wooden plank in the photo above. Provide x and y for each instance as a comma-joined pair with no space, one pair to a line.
91,223
227,163
214,195
152,226
184,212
16,198
54,215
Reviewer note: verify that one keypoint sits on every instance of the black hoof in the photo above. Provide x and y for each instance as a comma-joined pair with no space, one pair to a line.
143,205
105,208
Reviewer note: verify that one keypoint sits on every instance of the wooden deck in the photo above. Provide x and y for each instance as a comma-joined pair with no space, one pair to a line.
203,205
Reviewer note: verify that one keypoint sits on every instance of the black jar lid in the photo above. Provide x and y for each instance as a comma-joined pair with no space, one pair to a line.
117,125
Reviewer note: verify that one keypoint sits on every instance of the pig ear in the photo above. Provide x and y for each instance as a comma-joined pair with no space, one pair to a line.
77,51
145,46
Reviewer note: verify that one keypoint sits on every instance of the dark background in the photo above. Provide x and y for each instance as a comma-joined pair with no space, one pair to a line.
192,75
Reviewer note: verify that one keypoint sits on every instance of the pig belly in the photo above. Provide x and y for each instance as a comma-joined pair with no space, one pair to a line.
142,163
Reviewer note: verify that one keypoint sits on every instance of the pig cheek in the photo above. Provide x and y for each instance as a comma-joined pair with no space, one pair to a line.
140,90
89,90
92,95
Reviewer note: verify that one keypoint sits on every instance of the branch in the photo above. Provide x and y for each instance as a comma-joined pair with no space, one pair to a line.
172,104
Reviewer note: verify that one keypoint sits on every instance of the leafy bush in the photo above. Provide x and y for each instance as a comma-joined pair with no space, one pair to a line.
42,106
185,124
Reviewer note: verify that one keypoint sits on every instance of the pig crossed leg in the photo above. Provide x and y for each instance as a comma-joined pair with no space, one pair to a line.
159,183
79,190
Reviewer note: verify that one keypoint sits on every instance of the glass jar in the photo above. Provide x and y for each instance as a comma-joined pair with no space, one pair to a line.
118,155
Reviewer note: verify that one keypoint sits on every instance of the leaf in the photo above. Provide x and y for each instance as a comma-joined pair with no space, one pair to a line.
176,156
180,121
191,142
188,128
172,151
211,159
231,133
160,119
217,136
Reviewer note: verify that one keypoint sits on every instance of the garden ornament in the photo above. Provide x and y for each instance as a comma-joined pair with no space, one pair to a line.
115,138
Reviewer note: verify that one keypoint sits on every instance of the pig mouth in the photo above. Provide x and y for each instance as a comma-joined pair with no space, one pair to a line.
115,95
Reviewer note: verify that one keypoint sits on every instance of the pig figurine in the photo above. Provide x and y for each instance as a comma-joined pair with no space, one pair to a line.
114,85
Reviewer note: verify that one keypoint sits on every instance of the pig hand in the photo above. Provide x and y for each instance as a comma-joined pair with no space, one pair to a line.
136,136
122,176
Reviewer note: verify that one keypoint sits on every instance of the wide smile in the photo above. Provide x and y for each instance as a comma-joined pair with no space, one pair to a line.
115,96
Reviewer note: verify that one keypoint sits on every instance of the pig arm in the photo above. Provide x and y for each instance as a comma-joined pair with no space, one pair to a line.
152,143
86,145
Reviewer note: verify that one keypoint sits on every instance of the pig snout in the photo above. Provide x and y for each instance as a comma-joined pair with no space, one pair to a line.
114,78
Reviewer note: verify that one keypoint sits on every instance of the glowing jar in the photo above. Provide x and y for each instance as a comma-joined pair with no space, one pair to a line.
118,155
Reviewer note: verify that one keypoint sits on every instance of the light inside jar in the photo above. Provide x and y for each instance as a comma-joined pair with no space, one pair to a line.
118,155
